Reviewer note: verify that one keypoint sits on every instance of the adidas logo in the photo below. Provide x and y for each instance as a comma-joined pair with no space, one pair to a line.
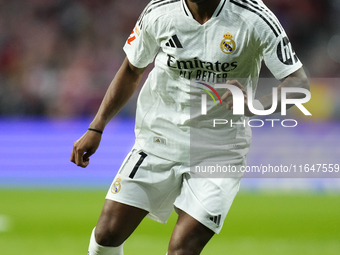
174,42
159,140
216,219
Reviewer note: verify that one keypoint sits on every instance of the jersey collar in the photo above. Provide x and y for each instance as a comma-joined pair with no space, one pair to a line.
217,12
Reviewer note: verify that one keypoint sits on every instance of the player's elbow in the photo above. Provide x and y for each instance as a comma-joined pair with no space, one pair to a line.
304,84
298,79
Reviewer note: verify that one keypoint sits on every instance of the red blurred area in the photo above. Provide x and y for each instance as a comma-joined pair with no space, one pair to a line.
58,57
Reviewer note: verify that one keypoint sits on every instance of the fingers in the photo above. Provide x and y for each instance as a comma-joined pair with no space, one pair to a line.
239,85
84,147
78,157
236,83
228,93
225,97
86,157
230,105
73,156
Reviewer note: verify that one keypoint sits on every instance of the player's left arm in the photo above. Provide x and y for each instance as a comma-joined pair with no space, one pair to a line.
280,58
297,79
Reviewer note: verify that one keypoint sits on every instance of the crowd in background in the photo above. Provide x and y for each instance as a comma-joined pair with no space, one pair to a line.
57,57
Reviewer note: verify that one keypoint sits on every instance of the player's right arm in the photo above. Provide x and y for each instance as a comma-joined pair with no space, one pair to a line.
119,92
141,49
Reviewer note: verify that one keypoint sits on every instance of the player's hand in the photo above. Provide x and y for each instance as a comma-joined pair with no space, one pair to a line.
227,94
84,147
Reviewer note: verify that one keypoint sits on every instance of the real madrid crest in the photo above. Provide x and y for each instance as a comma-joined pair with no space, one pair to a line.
228,45
115,188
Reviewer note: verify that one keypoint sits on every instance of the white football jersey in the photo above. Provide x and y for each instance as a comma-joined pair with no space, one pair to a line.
190,57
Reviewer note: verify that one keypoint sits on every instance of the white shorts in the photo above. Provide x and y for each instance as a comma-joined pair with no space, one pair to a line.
157,185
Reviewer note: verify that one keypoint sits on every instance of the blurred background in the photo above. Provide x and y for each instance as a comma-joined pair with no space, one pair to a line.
57,59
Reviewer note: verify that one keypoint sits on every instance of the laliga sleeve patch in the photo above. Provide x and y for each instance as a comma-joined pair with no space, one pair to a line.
285,52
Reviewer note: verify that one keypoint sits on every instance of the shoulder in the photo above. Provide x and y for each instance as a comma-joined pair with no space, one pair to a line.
248,7
257,15
157,9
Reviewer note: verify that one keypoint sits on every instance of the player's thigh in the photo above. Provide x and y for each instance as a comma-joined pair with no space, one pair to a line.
208,200
147,182
117,222
189,235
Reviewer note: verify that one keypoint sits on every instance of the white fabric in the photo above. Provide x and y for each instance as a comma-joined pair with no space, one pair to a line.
208,200
154,187
166,101
158,184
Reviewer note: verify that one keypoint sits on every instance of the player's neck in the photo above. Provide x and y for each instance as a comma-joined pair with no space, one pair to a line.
202,10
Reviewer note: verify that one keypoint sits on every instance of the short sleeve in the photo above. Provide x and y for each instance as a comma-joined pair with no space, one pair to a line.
277,51
141,46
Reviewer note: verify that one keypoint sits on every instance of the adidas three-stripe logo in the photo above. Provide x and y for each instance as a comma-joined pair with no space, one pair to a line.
174,42
216,219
